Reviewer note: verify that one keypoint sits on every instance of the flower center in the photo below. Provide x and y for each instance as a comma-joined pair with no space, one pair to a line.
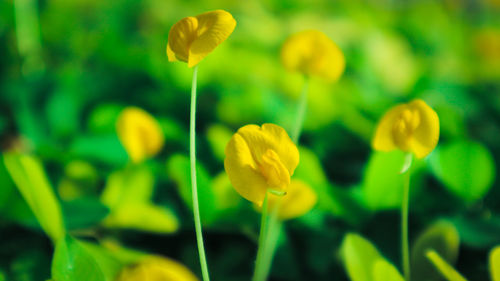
275,173
402,130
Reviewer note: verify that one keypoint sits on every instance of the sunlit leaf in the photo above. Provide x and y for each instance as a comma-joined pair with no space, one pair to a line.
443,267
142,216
441,237
218,136
384,271
133,184
466,168
72,262
29,177
178,169
359,256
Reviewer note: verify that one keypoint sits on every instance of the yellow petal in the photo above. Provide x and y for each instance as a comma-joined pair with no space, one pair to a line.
299,199
139,133
260,158
156,268
193,38
180,38
313,53
213,28
495,264
383,140
426,135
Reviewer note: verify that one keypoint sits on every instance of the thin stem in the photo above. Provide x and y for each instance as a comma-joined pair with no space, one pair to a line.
404,226
262,237
301,112
192,154
268,239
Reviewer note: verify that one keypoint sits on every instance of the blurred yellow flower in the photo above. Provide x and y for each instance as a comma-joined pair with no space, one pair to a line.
192,38
157,269
139,133
259,159
299,199
311,52
495,263
412,127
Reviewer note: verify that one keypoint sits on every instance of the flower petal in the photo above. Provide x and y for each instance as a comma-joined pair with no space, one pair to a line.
213,28
181,36
383,140
299,200
254,149
139,133
242,170
313,53
156,268
426,135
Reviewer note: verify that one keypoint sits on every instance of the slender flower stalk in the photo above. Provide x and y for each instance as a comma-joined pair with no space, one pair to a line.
268,239
405,248
301,112
194,188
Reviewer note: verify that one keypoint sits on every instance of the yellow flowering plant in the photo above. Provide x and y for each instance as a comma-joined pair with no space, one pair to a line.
139,133
412,128
260,161
311,53
190,40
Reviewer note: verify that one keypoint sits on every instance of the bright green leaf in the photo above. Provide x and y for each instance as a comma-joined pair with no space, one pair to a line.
29,177
466,168
441,237
83,212
495,264
383,184
385,271
359,256
178,169
72,262
218,136
102,148
142,216
443,267
132,185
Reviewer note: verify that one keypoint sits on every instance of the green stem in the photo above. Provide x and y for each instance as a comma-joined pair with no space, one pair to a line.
262,236
194,189
301,112
268,240
404,226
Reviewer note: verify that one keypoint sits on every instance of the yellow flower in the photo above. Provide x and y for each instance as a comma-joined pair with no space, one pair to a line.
412,127
299,199
192,38
311,52
158,269
139,133
259,159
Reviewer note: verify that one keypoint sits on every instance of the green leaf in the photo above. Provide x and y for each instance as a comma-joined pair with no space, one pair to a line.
135,184
83,212
102,119
363,262
478,231
443,267
466,168
442,237
178,169
384,271
29,177
72,262
103,148
142,216
495,264
383,184
218,136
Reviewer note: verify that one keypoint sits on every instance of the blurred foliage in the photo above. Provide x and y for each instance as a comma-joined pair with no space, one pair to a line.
70,67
